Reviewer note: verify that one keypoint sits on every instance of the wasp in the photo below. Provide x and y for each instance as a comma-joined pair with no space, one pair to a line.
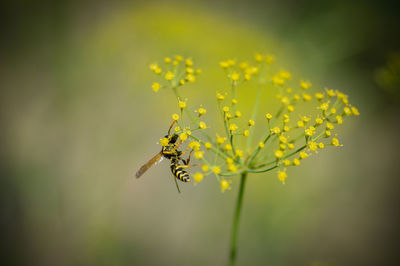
171,152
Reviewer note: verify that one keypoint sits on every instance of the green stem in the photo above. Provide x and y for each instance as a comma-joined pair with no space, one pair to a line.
236,217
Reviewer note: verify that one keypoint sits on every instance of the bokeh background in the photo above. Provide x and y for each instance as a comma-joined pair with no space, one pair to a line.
78,117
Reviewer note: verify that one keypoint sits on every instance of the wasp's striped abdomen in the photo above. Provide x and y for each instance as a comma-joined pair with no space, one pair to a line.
180,173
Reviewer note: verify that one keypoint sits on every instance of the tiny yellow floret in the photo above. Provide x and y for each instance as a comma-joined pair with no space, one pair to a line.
181,104
156,86
268,116
164,142
335,142
228,147
198,177
261,145
201,111
305,84
251,122
235,76
199,154
183,136
278,154
233,127
246,133
275,130
225,185
296,162
205,168
303,155
216,170
282,176
220,97
175,117
202,125
208,145
169,75
355,111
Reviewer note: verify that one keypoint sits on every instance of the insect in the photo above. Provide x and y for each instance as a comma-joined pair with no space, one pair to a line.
171,152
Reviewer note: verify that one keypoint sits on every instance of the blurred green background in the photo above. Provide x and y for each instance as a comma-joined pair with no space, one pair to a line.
78,117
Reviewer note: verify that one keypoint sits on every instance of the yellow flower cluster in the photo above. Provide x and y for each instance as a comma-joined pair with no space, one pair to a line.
287,137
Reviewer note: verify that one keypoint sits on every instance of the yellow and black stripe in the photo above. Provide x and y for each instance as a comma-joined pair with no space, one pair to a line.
179,172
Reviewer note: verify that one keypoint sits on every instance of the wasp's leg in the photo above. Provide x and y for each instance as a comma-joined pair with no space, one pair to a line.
177,186
169,130
188,159
188,166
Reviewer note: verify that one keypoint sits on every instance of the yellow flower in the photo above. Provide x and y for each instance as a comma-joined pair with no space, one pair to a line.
277,80
167,60
225,109
285,100
246,133
319,121
153,67
291,146
182,81
355,111
220,97
238,114
327,133
313,146
164,142
220,140
225,184
347,111
189,132
224,64
183,136
319,96
194,145
189,62
300,123
290,108
229,160
296,97
189,70
198,177
321,145
156,86
239,153
232,168
339,119
324,106
205,168
202,125
235,76
305,84
329,126
202,111
234,101
158,70
191,78
286,118
307,97
181,104
208,145
282,139
287,162
310,131
243,65
296,162
175,117
333,110
199,154
228,147
331,93
282,176
303,155
177,129
278,154
282,146
251,122
258,57
169,75
268,116
179,58
269,59
285,74
216,170
261,145
335,142
233,127
305,119
275,130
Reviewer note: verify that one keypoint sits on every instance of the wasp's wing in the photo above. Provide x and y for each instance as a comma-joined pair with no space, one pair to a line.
156,159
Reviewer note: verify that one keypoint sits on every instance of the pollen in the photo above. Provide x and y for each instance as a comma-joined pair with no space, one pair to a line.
278,154
225,185
282,176
175,117
251,122
164,142
156,86
199,154
216,170
169,75
202,125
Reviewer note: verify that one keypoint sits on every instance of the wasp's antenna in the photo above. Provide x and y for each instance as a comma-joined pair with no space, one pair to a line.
176,183
169,130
